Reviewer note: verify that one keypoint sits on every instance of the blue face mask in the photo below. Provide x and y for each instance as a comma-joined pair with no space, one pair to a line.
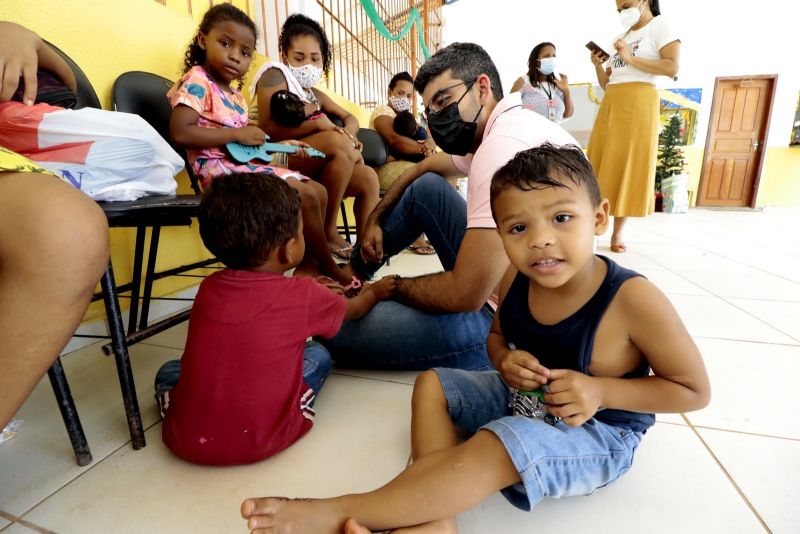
547,65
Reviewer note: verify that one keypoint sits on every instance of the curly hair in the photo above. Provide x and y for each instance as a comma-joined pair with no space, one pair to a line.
297,25
245,216
195,55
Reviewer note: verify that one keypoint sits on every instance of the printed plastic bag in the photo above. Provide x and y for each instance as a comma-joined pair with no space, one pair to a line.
676,193
106,154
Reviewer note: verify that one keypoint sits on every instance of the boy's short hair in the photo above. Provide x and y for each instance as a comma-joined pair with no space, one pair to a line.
245,216
536,167
405,124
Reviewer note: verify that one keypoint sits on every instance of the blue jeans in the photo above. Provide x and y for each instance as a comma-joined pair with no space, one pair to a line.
552,460
396,336
316,368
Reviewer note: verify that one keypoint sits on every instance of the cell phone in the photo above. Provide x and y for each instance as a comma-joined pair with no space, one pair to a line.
591,45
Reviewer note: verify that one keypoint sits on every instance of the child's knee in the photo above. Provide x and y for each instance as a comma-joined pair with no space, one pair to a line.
309,200
427,390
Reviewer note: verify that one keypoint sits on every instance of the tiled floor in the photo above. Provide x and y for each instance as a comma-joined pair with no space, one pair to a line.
733,276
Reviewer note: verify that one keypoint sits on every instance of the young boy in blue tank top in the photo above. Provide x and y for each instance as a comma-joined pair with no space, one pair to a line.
577,327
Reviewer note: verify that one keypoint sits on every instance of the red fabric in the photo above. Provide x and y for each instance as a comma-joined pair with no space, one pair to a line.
19,131
238,399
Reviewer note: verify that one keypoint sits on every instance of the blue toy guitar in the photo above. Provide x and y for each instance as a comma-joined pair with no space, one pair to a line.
247,153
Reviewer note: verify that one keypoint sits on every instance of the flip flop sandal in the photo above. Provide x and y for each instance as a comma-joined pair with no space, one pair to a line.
353,288
422,250
343,253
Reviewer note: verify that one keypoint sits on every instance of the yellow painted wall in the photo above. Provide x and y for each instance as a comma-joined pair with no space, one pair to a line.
106,39
780,180
114,36
780,176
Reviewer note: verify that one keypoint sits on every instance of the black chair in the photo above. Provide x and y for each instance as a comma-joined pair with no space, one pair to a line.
144,94
375,150
153,212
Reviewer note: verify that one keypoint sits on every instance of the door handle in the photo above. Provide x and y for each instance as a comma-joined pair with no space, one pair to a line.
756,144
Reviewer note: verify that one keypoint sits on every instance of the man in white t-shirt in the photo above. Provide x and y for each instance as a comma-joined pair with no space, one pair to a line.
443,319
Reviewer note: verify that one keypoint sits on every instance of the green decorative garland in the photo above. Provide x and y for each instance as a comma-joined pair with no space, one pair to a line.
413,18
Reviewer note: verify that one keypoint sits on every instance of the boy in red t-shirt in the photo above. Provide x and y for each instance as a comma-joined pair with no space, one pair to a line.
248,378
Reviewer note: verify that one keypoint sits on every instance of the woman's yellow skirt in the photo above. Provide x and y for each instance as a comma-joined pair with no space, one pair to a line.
623,148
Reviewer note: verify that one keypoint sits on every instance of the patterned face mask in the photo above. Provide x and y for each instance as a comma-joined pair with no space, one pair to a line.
308,75
399,104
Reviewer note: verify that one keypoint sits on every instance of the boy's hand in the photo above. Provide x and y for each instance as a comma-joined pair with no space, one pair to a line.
250,135
383,288
521,370
574,396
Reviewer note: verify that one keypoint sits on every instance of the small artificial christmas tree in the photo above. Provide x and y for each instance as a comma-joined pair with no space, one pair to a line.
670,157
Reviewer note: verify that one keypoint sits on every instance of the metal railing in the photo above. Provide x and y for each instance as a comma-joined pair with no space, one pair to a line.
363,60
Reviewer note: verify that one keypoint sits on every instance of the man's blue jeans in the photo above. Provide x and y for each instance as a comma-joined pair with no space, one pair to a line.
396,336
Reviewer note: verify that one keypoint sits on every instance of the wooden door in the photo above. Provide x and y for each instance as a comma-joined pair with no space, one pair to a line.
736,140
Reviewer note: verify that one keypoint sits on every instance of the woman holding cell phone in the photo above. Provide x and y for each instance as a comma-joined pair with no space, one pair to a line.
624,141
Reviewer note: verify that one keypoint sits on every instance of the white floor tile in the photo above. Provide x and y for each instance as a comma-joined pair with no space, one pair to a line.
671,418
40,460
671,283
713,317
360,440
629,260
753,388
784,316
409,264
175,337
740,285
17,528
766,470
673,486
4,523
400,377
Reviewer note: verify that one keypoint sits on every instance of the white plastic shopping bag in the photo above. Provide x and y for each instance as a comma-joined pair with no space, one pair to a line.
106,154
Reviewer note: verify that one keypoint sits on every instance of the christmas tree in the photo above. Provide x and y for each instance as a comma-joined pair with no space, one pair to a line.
670,157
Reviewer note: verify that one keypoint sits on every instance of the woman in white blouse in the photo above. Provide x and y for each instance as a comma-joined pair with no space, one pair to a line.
543,89
624,141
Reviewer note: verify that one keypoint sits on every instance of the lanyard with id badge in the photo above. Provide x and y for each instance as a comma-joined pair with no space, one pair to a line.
552,102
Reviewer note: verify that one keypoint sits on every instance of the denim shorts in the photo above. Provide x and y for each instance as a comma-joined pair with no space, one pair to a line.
552,460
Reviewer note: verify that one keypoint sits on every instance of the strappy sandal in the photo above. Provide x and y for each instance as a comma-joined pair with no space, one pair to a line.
353,288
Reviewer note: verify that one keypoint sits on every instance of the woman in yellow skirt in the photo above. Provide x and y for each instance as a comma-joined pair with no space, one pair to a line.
624,141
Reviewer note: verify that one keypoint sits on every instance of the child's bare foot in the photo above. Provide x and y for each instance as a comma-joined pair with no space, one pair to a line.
311,270
351,527
278,515
445,526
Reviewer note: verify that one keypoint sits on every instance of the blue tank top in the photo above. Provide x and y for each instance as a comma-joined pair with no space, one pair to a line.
569,343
